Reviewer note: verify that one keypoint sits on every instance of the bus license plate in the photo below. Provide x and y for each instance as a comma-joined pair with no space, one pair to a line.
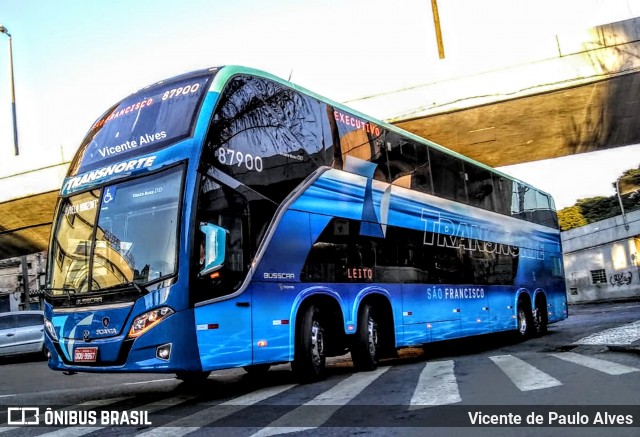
85,354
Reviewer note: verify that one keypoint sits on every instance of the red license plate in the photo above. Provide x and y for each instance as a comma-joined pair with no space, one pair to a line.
85,354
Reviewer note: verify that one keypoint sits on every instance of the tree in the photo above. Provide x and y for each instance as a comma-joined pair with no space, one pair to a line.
571,217
598,208
593,209
629,181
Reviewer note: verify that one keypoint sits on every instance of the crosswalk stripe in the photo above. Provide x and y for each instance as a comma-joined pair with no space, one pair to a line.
202,418
621,335
437,385
149,382
525,376
331,400
608,367
96,403
151,408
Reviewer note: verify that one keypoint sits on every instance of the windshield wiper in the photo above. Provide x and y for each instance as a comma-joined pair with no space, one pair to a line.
67,290
139,288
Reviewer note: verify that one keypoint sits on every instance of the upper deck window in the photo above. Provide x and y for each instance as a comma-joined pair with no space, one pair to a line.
267,136
146,121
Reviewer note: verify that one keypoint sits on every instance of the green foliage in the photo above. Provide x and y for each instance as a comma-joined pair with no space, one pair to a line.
629,182
593,209
571,217
599,208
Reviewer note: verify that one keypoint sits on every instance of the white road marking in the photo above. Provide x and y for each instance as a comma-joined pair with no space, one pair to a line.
148,382
437,385
193,422
608,367
331,401
525,376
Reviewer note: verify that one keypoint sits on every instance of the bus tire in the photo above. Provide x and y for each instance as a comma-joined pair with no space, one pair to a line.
365,345
257,369
540,319
525,320
309,361
192,377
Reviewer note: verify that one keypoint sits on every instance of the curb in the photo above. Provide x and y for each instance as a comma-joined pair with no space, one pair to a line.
596,348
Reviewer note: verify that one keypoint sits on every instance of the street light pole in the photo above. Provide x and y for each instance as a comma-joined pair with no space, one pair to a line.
625,184
436,24
624,216
13,92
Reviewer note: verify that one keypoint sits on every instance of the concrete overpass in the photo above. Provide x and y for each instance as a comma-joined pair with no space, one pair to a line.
27,200
583,96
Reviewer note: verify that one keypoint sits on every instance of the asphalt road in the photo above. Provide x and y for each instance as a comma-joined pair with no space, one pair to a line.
584,371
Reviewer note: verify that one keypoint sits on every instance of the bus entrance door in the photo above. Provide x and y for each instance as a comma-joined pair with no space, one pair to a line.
223,330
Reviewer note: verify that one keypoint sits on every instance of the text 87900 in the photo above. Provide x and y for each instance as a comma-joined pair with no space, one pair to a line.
233,157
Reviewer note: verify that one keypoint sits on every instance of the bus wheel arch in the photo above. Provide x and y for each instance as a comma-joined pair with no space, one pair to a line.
374,336
318,335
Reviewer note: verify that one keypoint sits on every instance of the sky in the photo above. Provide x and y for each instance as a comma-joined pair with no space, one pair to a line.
74,58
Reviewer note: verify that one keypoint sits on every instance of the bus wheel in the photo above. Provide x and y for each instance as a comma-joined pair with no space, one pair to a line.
192,377
540,319
525,320
257,369
365,346
310,356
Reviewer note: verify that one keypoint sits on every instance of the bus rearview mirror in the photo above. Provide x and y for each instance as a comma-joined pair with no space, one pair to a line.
215,243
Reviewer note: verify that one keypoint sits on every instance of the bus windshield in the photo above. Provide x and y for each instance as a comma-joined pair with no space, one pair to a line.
125,233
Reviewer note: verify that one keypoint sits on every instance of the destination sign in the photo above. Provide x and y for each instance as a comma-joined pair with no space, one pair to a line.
148,120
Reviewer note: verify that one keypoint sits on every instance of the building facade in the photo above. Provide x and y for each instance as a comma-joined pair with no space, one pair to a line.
12,291
602,260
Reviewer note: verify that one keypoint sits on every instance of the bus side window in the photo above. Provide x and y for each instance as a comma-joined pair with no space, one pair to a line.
448,176
226,208
268,136
545,211
408,163
421,179
502,188
479,186
517,200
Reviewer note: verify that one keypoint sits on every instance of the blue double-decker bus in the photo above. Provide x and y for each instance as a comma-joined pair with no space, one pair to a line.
227,218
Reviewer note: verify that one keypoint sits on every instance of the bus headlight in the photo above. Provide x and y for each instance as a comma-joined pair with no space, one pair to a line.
50,329
148,320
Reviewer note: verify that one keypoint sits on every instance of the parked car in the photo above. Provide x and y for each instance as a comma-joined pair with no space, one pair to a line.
21,332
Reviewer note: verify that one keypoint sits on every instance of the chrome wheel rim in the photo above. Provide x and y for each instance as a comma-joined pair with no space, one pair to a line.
317,343
372,337
522,322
